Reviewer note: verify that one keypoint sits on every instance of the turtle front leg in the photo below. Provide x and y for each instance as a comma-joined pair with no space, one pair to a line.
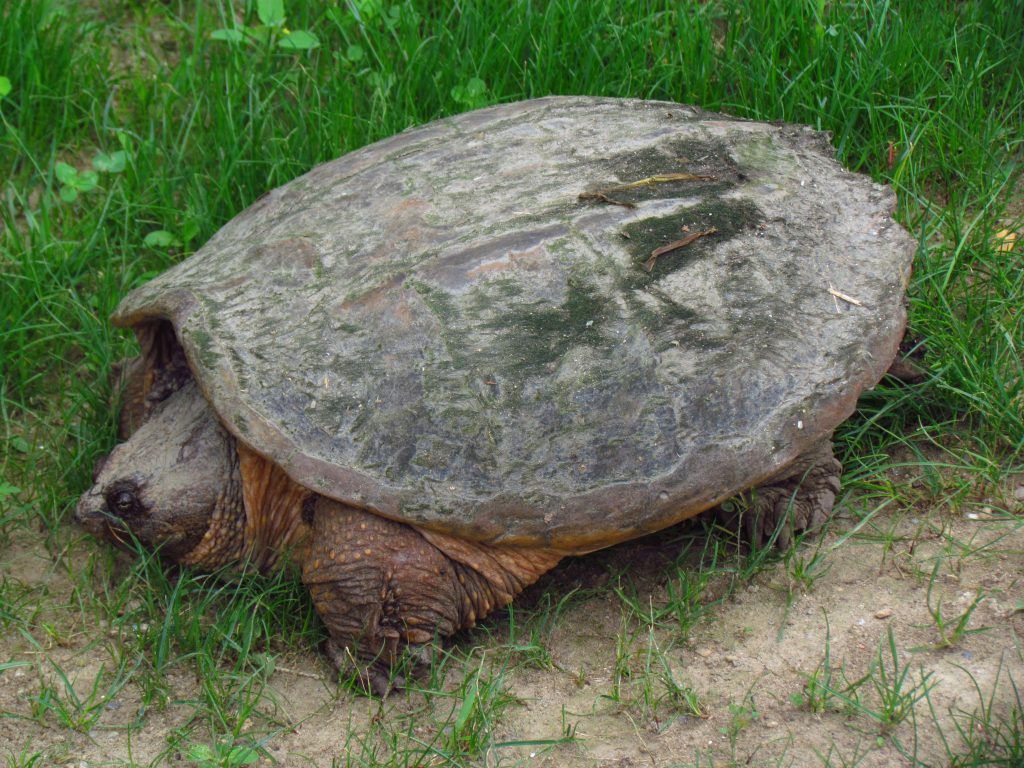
379,585
798,499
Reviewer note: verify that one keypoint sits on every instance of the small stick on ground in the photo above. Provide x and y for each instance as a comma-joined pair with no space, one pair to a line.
299,672
674,246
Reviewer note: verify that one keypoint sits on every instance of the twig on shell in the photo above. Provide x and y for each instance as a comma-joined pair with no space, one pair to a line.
675,245
844,297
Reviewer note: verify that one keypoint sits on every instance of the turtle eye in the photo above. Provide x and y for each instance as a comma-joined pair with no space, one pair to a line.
123,503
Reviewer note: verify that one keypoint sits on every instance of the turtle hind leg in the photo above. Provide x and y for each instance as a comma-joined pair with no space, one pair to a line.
798,499
380,585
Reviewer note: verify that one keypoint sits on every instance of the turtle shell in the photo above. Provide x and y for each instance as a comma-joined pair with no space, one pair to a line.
562,322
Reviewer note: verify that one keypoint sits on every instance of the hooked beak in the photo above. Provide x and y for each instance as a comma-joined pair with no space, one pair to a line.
91,513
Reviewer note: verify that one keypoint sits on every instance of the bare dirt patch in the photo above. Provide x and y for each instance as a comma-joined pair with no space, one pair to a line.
592,683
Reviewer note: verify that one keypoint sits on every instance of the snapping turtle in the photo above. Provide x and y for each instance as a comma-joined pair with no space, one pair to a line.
428,370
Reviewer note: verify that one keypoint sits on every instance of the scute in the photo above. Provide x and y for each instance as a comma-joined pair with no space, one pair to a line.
438,329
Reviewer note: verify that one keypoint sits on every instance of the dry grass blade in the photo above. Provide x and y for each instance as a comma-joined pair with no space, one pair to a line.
663,178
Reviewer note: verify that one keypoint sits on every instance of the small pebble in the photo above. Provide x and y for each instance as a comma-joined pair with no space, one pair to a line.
1018,493
730,659
704,652
885,613
967,655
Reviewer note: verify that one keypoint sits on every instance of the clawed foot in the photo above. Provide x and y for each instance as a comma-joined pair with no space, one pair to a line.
375,677
798,500
378,677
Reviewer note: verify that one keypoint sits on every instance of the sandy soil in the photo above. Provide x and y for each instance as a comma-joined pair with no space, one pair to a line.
746,664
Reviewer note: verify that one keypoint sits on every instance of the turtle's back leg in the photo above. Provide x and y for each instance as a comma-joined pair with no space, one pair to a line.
379,585
798,499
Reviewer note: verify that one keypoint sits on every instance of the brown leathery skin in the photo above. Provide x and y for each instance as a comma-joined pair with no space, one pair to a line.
507,570
257,520
378,584
274,529
224,541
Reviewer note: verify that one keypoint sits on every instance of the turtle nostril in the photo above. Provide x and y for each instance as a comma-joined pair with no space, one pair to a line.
89,512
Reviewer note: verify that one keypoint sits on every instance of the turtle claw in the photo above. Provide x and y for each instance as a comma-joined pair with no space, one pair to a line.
372,678
798,500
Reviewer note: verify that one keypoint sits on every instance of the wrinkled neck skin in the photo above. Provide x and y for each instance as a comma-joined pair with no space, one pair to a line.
224,542
256,520
182,485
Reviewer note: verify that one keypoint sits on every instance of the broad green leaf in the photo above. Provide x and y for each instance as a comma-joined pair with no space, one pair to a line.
6,489
20,444
298,40
65,173
271,12
200,753
68,194
239,756
189,230
471,94
5,86
228,35
161,238
86,181
367,9
259,34
354,53
112,163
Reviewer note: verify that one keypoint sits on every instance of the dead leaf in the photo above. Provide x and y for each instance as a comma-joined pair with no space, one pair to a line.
674,246
1006,240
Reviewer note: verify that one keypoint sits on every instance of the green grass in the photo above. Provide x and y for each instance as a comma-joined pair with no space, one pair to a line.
928,97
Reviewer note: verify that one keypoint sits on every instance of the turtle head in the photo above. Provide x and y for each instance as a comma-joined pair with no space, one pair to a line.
168,482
